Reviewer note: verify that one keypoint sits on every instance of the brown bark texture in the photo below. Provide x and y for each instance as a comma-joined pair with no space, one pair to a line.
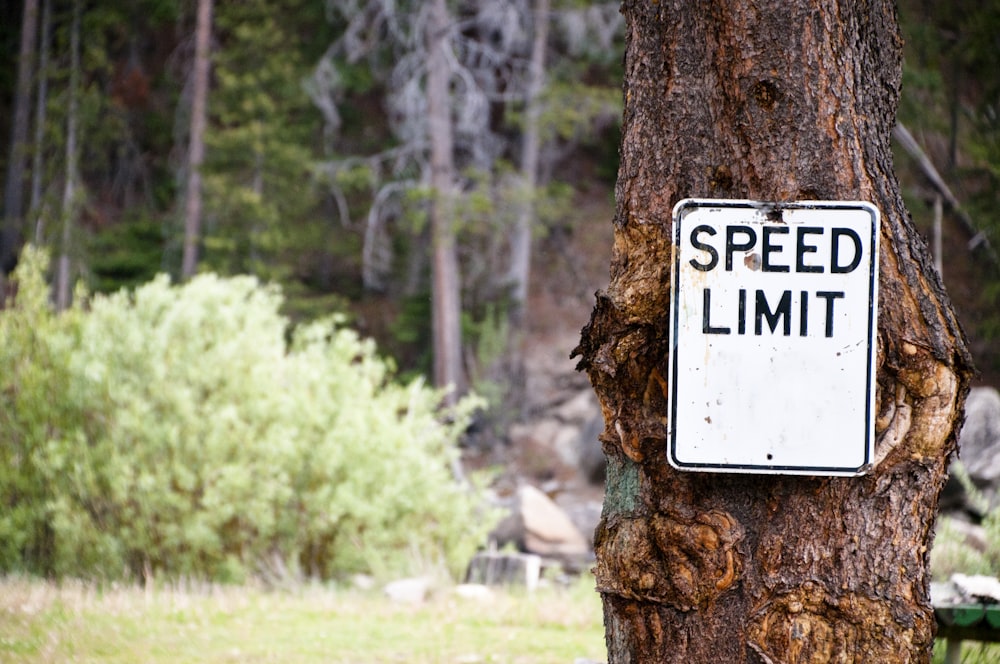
446,305
771,100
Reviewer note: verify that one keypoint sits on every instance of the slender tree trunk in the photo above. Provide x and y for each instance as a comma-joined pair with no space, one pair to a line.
522,234
69,203
196,144
14,183
42,100
774,100
445,293
10,238
257,186
520,271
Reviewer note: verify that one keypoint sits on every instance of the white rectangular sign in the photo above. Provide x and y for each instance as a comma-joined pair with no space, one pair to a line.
773,332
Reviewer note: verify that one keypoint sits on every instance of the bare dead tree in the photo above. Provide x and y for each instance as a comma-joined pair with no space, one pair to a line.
70,204
196,142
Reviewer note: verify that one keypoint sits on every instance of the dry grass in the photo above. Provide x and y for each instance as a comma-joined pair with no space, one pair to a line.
75,622
78,622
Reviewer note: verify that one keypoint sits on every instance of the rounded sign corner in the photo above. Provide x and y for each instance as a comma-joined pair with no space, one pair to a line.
684,205
676,463
872,209
760,304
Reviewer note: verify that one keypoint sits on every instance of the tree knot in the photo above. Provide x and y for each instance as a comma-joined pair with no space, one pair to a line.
685,563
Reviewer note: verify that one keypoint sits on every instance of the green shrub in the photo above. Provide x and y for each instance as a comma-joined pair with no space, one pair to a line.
952,552
176,430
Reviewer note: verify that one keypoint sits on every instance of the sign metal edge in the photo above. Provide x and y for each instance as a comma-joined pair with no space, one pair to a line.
679,211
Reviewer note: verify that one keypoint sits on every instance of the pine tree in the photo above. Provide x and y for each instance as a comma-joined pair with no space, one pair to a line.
705,567
260,197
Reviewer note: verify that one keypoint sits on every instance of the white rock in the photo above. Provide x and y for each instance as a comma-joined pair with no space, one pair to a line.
410,591
978,586
475,591
471,658
362,582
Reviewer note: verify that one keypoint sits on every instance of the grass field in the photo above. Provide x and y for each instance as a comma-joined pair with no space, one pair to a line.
40,622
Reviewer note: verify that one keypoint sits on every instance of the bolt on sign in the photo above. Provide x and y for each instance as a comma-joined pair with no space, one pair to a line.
773,327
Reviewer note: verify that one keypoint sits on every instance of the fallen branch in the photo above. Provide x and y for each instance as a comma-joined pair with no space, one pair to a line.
978,237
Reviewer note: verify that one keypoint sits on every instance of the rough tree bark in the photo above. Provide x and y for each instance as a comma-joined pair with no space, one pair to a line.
770,100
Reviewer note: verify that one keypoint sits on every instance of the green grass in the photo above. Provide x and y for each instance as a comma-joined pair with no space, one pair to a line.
42,622
973,652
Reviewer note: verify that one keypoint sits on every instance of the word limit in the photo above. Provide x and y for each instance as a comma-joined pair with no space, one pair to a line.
781,314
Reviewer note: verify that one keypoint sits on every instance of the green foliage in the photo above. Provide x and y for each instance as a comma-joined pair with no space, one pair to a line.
126,254
971,652
260,203
30,372
410,332
570,109
952,552
490,339
175,431
950,100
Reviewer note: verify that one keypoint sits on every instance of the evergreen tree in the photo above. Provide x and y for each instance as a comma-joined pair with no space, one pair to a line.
728,567
261,204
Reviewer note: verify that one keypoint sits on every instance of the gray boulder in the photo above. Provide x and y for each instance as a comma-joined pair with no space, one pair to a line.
979,442
978,458
538,525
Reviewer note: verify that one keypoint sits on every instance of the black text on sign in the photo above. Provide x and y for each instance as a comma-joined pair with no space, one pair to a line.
773,313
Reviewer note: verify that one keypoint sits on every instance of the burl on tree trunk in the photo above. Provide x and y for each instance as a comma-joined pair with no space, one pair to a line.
776,100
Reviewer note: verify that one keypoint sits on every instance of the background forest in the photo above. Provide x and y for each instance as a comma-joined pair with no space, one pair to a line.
317,151
316,172
410,168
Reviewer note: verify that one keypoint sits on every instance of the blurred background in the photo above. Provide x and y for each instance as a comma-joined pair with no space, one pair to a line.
295,142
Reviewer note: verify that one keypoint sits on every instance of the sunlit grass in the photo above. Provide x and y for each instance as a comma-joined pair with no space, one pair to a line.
73,622
973,652
81,622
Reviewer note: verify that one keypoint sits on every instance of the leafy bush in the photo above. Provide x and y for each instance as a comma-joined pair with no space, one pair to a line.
177,430
953,552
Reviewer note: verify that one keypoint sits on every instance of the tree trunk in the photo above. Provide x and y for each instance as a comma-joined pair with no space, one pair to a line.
524,227
42,100
14,182
196,145
445,292
69,203
520,269
775,100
